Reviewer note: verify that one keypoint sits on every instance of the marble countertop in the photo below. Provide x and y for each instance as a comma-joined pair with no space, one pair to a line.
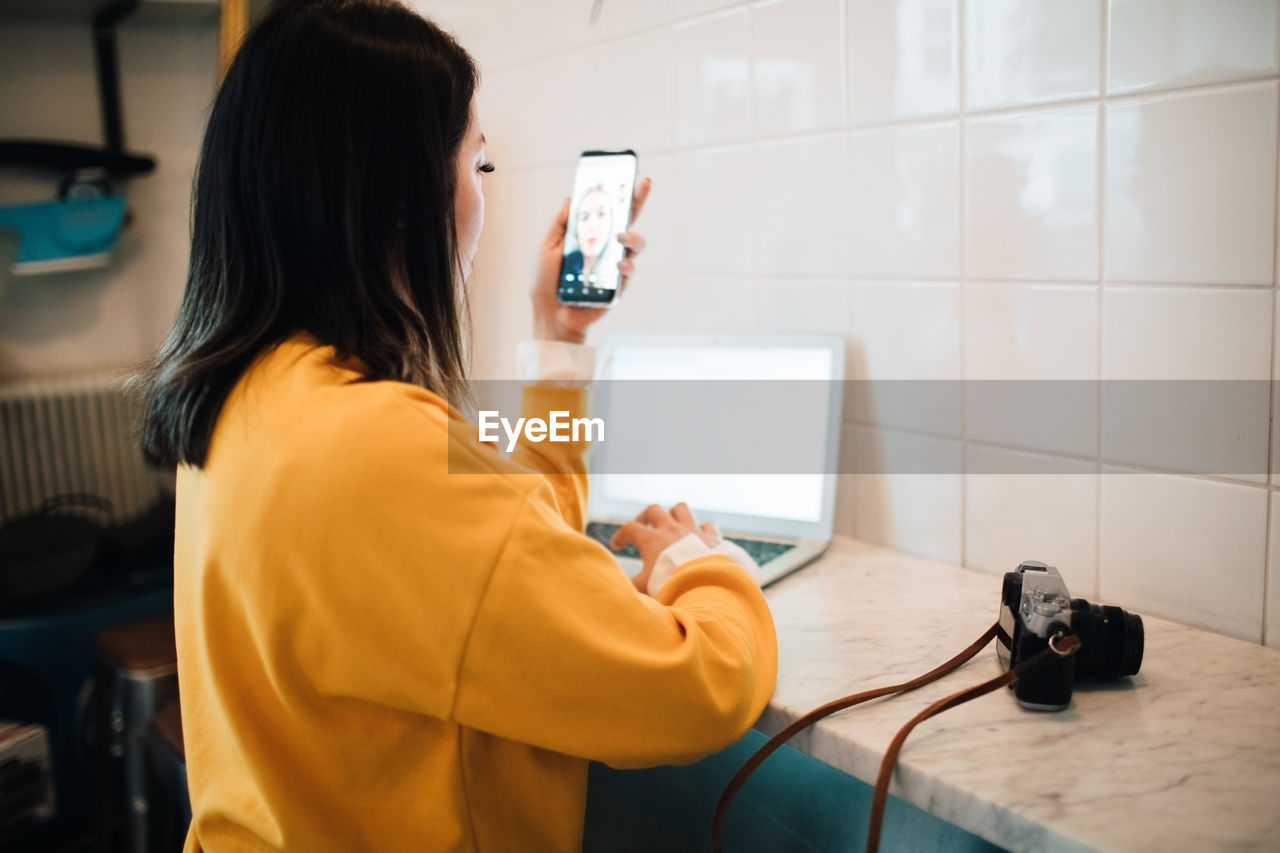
1183,756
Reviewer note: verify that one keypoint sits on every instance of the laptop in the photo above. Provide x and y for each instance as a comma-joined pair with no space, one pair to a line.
781,392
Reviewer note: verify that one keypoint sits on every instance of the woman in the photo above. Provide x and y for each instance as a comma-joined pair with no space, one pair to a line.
390,637
592,225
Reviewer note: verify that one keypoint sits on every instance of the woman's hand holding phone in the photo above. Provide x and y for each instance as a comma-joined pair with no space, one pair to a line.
552,319
655,530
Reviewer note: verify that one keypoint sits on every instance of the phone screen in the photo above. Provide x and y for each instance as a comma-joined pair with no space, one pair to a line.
599,210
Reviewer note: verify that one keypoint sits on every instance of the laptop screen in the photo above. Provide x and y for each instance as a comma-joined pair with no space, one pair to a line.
798,497
794,497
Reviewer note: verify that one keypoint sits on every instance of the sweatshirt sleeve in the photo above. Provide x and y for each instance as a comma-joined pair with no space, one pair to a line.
564,654
562,463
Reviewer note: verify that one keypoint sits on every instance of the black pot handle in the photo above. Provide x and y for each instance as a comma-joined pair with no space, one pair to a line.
57,504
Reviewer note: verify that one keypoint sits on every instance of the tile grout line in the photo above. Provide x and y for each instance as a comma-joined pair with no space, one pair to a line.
846,90
962,189
843,280
1100,201
1271,402
1268,544
934,121
1121,465
749,19
849,449
1003,110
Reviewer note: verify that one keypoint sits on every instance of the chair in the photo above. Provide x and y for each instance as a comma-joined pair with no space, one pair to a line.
168,800
137,675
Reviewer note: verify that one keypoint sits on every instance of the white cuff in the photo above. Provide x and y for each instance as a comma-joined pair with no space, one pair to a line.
691,547
734,552
555,362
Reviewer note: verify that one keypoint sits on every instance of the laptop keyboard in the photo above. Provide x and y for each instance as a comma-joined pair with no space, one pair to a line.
760,550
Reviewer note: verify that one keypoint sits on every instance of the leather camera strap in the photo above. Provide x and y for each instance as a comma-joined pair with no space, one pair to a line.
1065,646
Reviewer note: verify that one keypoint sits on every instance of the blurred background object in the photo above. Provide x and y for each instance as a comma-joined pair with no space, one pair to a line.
86,526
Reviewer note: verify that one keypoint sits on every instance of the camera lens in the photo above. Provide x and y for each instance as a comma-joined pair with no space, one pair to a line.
1110,640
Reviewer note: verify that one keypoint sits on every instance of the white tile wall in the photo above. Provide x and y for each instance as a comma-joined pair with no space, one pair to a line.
797,65
1025,51
634,91
1030,331
1091,196
902,59
1186,333
882,310
1190,187
804,305
847,483
525,141
798,223
682,9
1170,43
1032,508
713,217
1044,338
918,512
1190,549
879,351
712,80
1194,335
904,190
623,16
707,305
1031,195
513,30
660,219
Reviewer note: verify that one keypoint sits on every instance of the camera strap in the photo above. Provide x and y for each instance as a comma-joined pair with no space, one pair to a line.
1059,647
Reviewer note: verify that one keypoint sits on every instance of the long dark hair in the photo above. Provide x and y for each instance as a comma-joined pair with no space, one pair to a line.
323,204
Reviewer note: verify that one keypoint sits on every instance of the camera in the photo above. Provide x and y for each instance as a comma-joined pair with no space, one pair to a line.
1035,611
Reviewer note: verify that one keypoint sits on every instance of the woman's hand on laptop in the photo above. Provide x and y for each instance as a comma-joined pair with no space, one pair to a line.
655,530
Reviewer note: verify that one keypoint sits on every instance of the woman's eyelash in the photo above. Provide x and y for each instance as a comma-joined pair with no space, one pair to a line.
487,167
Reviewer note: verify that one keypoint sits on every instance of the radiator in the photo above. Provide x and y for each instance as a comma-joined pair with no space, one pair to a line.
60,436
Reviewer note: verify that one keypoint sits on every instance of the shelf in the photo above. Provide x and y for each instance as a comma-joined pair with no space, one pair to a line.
67,158
148,11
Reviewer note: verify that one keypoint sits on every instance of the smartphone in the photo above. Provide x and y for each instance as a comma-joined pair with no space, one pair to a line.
599,210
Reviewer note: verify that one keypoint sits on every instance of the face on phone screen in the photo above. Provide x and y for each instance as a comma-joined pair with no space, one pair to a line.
599,210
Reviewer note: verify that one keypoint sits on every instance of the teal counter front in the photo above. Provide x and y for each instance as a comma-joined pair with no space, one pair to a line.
793,802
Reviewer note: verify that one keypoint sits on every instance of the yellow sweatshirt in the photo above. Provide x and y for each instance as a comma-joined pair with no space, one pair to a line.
392,638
